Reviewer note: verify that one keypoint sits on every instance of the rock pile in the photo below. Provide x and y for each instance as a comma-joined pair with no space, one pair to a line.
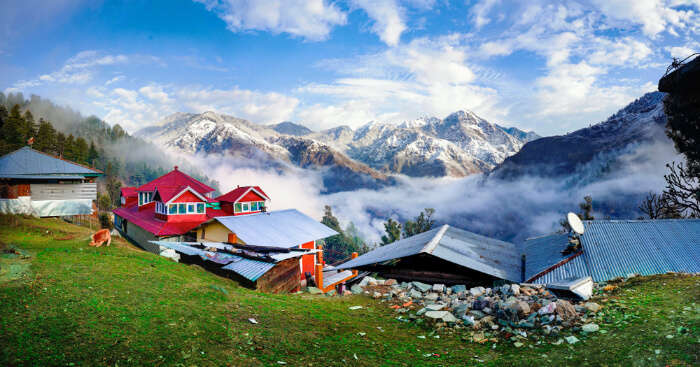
510,308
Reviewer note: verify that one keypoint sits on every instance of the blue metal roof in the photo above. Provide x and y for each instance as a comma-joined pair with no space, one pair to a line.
487,255
616,248
249,269
543,252
282,228
29,162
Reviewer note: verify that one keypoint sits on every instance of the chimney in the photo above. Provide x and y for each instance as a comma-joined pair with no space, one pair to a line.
232,238
175,168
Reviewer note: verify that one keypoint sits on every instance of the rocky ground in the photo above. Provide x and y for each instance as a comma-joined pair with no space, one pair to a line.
511,311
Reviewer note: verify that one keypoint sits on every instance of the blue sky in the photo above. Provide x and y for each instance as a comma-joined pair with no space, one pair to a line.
547,66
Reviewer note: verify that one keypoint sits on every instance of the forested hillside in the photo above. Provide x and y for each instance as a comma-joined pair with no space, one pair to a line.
61,131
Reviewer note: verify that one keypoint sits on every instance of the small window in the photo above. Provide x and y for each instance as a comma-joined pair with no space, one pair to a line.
140,199
254,206
261,205
173,208
181,208
245,207
190,208
200,208
237,208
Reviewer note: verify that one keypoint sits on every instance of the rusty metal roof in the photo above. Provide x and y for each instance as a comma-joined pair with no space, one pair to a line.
487,255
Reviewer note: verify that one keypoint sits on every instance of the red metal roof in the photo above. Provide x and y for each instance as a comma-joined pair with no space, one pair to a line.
237,193
146,220
129,192
175,178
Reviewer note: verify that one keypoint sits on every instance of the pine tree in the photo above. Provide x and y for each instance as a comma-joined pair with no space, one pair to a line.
45,137
422,223
3,115
13,130
30,128
60,144
81,150
92,154
69,148
393,232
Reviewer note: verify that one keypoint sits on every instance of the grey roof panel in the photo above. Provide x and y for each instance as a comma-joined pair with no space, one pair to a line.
27,161
249,269
282,228
487,255
43,177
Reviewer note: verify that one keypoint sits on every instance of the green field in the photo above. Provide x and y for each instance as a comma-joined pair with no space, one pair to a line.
70,304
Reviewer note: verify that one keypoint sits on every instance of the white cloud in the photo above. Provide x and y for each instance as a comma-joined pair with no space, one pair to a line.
654,16
310,19
137,108
426,76
480,11
388,19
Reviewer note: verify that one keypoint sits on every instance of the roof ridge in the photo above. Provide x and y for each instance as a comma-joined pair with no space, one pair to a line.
430,246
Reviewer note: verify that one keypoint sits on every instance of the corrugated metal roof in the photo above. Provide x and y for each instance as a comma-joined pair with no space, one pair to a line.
616,248
282,228
27,161
249,269
487,255
44,177
543,252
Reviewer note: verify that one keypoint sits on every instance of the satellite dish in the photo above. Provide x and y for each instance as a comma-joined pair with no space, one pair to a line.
575,222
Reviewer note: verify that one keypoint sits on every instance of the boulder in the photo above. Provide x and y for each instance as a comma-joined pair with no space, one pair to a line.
445,316
390,282
480,304
438,288
565,310
432,296
314,290
460,309
356,289
521,308
368,281
547,308
415,294
378,282
422,286
376,295
515,289
458,288
421,311
477,291
478,315
592,306
435,306
590,328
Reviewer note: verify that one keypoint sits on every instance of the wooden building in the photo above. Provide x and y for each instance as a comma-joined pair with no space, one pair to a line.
36,183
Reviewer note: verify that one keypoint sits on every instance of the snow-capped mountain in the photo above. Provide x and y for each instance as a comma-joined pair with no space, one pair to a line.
589,150
259,146
458,145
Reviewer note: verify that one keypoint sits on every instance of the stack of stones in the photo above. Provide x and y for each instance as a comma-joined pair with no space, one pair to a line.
512,308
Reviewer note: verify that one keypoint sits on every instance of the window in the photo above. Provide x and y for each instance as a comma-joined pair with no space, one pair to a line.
181,208
261,205
237,208
173,209
254,206
190,208
245,207
200,208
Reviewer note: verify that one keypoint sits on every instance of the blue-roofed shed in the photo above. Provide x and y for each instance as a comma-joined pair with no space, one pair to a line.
617,248
36,183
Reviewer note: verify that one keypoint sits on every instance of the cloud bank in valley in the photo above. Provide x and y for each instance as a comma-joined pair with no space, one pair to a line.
511,210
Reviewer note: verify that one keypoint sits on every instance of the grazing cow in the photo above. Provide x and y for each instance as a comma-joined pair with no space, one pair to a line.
100,237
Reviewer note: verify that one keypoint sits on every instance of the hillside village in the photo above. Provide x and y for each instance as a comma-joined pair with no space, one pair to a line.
118,249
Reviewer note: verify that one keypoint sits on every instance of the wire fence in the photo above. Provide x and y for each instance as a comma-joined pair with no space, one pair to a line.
91,221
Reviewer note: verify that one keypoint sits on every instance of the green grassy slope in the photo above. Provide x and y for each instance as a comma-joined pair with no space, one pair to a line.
118,305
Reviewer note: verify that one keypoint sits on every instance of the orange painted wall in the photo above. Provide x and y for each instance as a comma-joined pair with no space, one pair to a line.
308,262
187,197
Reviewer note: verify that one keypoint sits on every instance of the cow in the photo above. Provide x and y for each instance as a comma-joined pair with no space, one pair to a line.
100,237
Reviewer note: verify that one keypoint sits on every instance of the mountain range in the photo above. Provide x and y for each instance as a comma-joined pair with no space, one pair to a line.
458,145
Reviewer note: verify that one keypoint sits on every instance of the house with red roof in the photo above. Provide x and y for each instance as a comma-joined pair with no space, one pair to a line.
172,206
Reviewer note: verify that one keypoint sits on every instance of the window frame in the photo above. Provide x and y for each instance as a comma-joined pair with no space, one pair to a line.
202,206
